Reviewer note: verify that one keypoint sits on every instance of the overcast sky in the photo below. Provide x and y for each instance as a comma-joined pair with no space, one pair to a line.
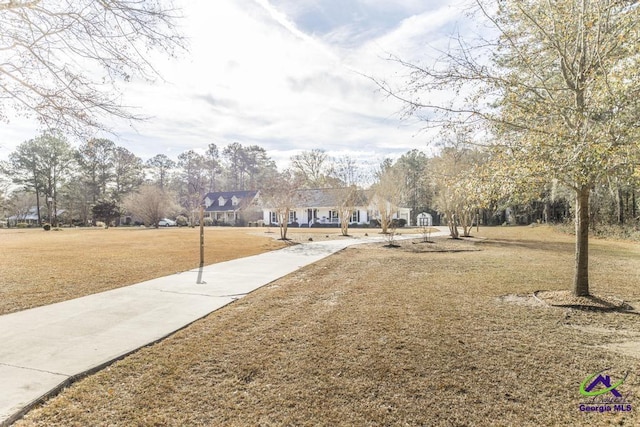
282,74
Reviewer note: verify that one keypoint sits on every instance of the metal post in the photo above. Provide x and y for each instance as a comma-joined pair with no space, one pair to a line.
201,235
50,206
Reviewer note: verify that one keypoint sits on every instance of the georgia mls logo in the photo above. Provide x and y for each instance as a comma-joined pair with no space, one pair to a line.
598,388
605,381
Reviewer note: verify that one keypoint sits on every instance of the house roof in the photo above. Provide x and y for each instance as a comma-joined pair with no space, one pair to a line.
244,198
329,197
32,214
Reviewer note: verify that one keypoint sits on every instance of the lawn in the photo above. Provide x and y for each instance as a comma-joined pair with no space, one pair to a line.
443,333
40,267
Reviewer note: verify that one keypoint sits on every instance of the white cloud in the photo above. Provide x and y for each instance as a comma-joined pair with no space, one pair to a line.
253,75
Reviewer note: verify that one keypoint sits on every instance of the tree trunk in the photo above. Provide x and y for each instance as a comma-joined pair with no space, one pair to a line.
284,223
344,226
620,207
581,275
38,207
453,227
384,222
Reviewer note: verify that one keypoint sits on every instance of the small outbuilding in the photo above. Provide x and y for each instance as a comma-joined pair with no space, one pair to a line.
424,219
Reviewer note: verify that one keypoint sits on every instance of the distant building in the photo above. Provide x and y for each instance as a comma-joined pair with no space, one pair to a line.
319,207
232,207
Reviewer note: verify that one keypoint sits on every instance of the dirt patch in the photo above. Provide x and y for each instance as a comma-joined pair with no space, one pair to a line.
593,302
304,234
435,245
441,245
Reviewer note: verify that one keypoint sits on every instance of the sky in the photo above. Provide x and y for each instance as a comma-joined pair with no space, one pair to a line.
287,75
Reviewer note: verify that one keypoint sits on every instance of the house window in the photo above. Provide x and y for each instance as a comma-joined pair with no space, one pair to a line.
292,216
333,216
274,217
355,217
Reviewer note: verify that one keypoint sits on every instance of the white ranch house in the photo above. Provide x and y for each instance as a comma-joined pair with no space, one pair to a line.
319,208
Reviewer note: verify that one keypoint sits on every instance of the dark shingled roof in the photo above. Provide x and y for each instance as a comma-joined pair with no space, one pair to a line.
244,198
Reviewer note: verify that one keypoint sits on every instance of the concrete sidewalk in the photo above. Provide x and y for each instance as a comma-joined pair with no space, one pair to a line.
46,348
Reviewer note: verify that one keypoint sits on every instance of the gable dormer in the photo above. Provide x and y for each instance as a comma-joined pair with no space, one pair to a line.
234,201
221,201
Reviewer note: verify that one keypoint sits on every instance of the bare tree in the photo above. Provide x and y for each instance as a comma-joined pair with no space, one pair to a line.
458,185
310,167
347,199
21,203
388,193
346,171
150,204
280,196
61,61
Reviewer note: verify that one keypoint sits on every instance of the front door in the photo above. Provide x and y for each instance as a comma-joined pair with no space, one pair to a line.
312,215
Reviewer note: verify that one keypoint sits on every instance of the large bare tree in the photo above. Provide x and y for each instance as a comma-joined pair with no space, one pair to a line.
558,87
311,168
61,60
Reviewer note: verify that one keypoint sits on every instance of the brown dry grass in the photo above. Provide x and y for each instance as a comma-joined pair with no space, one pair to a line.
376,336
40,268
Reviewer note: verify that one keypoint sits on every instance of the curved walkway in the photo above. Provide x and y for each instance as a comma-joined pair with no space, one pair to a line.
47,348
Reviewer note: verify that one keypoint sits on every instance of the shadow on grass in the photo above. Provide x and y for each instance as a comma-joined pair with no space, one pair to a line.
592,303
624,308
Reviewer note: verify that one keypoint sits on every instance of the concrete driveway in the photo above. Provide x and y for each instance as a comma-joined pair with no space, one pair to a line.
47,348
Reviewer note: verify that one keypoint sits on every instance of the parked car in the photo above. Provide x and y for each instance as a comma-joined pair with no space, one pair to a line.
166,222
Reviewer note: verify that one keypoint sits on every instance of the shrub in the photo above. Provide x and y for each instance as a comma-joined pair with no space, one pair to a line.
208,222
325,225
182,221
22,225
46,226
398,223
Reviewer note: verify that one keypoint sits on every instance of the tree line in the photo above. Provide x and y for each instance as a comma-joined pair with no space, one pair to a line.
463,185
50,174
